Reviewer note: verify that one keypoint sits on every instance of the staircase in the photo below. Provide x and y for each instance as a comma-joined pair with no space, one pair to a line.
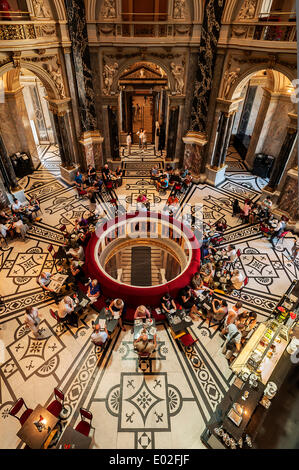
156,265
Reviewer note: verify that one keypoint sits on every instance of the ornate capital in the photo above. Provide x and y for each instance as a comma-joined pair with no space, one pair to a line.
59,107
198,138
228,106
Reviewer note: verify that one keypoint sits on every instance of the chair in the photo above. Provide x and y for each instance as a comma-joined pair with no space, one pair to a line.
57,318
281,237
53,253
84,426
56,406
16,408
238,253
187,340
246,280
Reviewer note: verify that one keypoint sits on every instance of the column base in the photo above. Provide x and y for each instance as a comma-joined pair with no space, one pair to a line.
272,193
92,148
18,193
215,176
68,175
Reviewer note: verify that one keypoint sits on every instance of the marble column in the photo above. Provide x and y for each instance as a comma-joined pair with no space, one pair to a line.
7,170
277,182
61,113
287,203
18,113
219,140
172,132
4,201
91,139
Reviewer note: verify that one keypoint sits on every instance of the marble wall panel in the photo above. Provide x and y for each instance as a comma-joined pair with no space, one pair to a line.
289,198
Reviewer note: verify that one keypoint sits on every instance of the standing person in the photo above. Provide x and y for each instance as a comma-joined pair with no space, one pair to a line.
139,133
234,337
295,250
144,140
232,316
32,320
236,208
129,143
157,134
279,230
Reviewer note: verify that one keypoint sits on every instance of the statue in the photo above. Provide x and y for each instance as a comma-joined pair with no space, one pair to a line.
179,9
178,74
108,75
56,76
108,9
40,9
229,79
248,9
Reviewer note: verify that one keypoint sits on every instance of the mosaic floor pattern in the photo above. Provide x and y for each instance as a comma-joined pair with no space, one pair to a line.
160,403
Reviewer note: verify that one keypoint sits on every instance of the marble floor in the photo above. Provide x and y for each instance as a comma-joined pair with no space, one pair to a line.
163,402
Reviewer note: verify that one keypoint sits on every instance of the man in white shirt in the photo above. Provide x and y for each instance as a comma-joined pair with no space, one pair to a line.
237,279
77,253
232,253
17,205
99,337
65,310
278,231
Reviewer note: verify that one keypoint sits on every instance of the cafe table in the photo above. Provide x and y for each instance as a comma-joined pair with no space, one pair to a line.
148,324
72,439
111,323
178,322
29,432
82,301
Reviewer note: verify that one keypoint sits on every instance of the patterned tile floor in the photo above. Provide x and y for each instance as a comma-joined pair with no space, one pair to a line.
165,402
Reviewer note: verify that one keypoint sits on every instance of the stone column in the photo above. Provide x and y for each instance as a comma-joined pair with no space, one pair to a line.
282,159
91,139
18,112
62,122
220,138
7,170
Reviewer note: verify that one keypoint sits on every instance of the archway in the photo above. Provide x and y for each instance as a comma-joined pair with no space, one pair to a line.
143,87
27,117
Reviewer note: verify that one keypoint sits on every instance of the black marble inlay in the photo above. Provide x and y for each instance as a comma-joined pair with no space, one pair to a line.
206,62
81,59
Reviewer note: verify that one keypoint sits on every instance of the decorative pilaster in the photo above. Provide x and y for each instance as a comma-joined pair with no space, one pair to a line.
90,138
210,31
287,203
6,168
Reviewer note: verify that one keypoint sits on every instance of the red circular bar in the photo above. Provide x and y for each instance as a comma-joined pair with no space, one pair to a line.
133,295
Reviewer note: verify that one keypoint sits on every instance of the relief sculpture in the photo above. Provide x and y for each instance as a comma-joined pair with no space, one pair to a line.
108,77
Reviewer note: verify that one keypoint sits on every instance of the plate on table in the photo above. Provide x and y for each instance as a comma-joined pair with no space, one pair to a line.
187,319
138,322
152,330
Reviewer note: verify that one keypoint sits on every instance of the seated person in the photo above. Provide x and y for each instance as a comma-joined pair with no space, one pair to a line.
184,172
196,281
97,185
79,181
168,304
35,204
207,272
66,310
164,182
99,337
78,273
236,281
119,175
231,253
4,218
94,291
77,253
116,308
141,312
142,201
172,202
249,323
106,173
236,208
221,225
91,174
187,301
17,206
19,226
232,316
220,309
143,345
233,340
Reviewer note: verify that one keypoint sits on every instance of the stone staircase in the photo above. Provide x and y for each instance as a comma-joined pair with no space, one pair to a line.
156,266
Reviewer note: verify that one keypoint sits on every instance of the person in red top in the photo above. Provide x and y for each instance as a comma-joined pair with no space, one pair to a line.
4,8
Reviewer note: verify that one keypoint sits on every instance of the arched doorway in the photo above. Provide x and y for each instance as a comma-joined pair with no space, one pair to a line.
142,104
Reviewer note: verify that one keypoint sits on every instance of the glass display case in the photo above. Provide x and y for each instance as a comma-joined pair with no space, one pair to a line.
263,351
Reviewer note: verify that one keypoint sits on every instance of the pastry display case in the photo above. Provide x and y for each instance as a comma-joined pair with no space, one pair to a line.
263,351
